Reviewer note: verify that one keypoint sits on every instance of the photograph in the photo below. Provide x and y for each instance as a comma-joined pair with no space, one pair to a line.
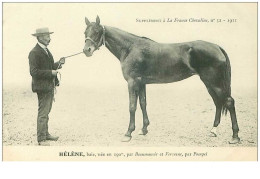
129,81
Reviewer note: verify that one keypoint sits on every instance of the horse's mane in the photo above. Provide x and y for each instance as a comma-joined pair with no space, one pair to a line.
147,38
136,36
141,37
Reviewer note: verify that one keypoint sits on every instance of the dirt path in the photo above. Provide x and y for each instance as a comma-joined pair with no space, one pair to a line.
99,117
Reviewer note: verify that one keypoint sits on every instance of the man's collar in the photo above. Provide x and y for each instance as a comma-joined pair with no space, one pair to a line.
42,46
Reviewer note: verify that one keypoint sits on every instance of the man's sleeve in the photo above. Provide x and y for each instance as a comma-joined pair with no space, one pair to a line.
34,68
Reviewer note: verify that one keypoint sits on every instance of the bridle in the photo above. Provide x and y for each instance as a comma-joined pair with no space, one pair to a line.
101,41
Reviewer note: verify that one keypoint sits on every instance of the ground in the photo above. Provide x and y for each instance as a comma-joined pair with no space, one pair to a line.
85,116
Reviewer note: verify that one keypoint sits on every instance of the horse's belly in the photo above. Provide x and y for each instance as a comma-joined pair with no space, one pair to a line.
167,74
165,78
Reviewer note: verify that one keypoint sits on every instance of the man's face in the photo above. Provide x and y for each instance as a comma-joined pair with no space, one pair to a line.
45,39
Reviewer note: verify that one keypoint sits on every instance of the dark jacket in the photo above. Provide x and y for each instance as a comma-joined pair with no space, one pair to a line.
41,66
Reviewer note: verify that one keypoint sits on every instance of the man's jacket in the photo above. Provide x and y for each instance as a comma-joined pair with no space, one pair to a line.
41,66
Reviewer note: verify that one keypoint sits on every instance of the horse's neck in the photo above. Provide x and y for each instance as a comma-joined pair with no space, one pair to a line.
118,42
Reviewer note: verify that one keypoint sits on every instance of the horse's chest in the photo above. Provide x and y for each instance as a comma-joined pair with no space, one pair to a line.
131,69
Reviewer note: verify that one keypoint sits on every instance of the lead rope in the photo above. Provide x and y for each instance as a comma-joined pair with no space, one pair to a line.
101,42
59,79
55,90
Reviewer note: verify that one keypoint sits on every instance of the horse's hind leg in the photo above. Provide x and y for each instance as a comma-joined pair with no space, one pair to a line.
222,100
230,105
217,101
142,100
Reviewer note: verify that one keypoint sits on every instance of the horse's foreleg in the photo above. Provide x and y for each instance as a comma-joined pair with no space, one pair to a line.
142,100
133,94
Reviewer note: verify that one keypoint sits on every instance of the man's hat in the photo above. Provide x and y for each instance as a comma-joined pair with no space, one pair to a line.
42,31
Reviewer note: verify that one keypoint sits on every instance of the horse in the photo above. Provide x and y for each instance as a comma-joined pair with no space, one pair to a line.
144,61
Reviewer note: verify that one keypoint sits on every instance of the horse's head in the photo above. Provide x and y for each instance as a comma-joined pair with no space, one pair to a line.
93,36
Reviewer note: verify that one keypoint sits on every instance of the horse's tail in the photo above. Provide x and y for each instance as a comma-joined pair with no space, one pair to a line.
226,81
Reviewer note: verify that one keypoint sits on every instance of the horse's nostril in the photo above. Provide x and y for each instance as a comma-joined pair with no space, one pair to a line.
89,49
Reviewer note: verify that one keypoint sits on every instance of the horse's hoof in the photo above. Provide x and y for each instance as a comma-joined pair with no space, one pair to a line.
126,138
235,140
143,132
212,134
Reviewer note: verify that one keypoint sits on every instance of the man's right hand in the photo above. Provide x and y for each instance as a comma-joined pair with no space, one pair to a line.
54,72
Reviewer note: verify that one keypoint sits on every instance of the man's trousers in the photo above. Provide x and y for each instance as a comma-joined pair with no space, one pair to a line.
45,100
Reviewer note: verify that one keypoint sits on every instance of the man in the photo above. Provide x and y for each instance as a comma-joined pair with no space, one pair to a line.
44,79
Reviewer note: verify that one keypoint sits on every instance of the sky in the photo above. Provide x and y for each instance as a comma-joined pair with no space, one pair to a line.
66,20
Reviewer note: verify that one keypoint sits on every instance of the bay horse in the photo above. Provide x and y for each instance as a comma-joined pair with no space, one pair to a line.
144,61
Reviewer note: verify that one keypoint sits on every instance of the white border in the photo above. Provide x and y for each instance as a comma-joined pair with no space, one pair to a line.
122,170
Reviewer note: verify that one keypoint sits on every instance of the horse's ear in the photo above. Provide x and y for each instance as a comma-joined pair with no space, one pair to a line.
97,20
87,21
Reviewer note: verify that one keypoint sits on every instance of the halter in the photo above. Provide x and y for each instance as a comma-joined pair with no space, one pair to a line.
101,41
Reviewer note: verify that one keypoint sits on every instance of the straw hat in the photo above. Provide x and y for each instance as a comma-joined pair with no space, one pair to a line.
42,31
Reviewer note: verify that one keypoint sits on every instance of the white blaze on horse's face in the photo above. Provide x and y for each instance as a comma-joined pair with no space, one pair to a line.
93,34
89,48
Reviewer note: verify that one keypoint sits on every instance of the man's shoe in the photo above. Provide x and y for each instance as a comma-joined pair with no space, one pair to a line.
44,143
50,137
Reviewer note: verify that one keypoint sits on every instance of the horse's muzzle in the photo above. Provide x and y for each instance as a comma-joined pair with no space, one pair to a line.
88,52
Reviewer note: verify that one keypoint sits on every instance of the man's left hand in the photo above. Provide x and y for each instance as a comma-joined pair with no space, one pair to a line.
62,60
